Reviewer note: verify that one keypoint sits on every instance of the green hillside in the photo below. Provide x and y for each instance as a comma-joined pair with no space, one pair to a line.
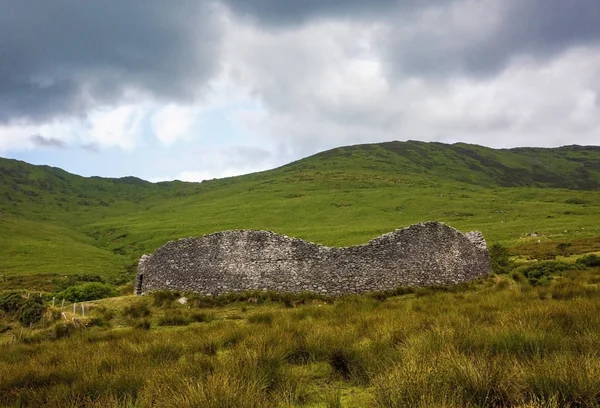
53,222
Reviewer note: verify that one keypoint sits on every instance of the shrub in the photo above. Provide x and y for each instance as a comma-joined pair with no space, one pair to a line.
88,291
589,261
11,302
537,272
74,280
500,259
32,310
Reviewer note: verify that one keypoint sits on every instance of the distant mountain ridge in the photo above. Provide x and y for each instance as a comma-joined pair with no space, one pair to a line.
572,167
55,222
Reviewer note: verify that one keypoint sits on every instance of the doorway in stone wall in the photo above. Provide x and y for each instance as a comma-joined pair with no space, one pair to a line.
138,284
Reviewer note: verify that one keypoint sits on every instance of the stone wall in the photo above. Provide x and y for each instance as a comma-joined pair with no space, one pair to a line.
423,254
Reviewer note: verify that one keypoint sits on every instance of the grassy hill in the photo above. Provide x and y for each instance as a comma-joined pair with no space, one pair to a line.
54,222
528,338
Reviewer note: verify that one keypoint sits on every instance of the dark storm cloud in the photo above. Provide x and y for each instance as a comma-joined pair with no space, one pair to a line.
42,141
541,28
547,27
536,28
61,57
281,13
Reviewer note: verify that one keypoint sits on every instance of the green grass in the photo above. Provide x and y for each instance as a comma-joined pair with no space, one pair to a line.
491,343
497,342
56,223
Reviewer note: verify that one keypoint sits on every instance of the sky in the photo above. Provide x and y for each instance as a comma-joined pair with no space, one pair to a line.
195,90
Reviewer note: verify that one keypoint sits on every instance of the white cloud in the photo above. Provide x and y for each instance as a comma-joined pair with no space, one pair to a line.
173,122
195,165
326,84
116,127
18,136
119,127
198,176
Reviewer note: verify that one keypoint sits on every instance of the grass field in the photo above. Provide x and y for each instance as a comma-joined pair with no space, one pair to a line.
497,342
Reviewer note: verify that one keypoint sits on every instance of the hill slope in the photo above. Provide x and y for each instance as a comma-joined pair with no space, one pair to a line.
59,223
572,167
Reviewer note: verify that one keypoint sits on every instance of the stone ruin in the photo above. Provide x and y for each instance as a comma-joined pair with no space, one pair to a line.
424,254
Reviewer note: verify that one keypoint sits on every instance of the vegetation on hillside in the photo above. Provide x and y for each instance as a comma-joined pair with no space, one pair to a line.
56,224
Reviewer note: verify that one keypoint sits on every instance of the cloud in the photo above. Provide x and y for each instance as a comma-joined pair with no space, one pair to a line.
65,58
198,176
172,122
217,162
91,147
25,136
117,127
482,38
293,78
42,141
327,84
447,37
281,13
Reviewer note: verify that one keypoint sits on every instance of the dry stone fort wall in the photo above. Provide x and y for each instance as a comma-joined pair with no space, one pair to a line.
423,254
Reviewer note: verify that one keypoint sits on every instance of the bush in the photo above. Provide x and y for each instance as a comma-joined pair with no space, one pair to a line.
589,261
11,302
87,291
500,259
74,280
537,272
32,310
